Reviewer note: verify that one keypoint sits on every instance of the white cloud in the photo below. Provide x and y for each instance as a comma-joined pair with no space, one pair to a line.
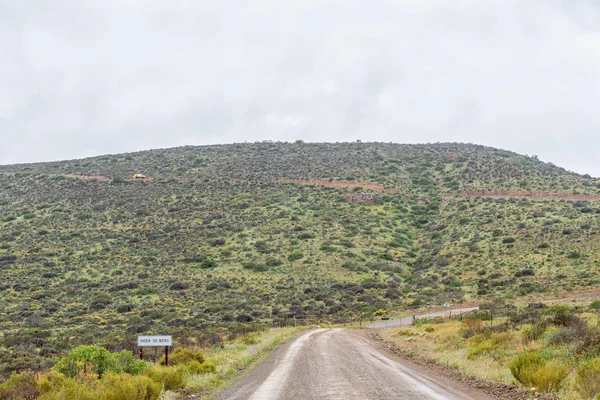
83,78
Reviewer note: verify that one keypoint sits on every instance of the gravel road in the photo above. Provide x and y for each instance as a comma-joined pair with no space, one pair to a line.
336,364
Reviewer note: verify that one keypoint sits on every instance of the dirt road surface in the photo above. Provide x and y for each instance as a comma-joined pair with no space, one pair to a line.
339,364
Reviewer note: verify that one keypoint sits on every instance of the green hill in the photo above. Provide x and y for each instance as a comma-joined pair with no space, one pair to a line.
219,236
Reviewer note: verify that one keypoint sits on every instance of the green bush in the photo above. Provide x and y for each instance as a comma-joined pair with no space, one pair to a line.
295,256
183,356
196,368
21,386
208,264
125,386
549,377
532,370
95,359
587,378
125,362
50,381
80,359
595,305
273,262
171,378
525,366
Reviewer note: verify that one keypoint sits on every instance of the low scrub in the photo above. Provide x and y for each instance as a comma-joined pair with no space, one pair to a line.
196,368
183,356
171,378
471,327
488,343
587,378
532,370
125,386
21,386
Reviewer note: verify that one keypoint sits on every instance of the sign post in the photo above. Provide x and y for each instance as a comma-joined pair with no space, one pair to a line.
155,341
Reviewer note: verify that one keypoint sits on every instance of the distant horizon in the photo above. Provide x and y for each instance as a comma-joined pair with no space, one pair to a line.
358,141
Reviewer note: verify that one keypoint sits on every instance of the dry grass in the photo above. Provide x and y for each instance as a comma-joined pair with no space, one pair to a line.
235,356
446,346
487,356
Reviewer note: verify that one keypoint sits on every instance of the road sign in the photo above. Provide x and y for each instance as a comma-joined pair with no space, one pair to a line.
155,341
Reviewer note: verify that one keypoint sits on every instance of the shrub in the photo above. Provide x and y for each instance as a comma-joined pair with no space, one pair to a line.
125,386
535,331
587,378
125,362
83,357
471,327
171,378
549,377
531,369
525,366
563,336
208,264
97,360
255,266
183,356
273,262
490,343
295,256
21,386
595,305
50,381
179,286
70,388
563,316
143,291
525,272
217,242
196,368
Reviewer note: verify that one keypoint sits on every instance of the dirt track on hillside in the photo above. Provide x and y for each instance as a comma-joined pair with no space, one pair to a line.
525,195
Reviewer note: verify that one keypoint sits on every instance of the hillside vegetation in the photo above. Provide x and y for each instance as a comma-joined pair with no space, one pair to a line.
218,239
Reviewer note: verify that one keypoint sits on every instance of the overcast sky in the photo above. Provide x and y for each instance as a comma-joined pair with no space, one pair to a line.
81,78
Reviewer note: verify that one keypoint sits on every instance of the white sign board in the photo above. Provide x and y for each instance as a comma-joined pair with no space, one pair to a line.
155,341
